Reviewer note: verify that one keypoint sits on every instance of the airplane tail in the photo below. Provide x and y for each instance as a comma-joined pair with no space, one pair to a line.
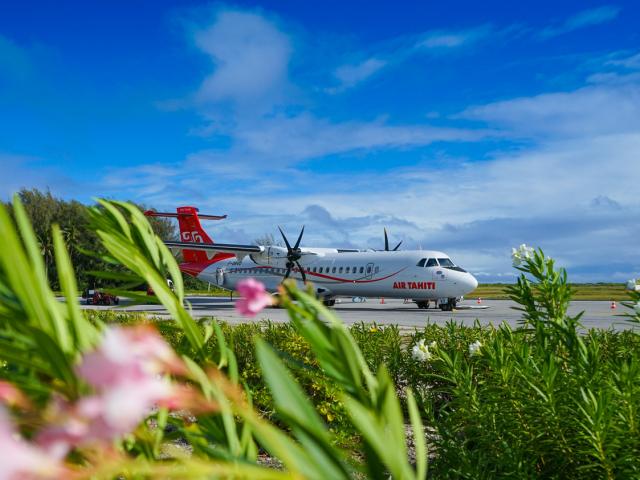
191,231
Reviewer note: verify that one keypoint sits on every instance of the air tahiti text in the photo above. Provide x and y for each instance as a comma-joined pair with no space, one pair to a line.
415,285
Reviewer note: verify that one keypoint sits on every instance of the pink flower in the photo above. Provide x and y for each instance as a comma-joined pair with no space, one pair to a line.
12,396
22,460
126,372
128,355
104,417
254,297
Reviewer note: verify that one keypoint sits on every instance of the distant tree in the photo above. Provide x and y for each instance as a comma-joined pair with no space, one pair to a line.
44,210
165,228
268,239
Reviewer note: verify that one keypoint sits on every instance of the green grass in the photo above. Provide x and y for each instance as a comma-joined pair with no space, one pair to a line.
582,291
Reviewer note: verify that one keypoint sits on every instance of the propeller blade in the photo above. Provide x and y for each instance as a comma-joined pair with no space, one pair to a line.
398,245
386,241
284,237
286,275
304,277
299,238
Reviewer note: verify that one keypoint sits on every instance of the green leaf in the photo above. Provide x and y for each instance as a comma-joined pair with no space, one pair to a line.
85,334
418,437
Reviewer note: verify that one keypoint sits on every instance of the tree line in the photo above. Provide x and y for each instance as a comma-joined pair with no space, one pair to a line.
44,210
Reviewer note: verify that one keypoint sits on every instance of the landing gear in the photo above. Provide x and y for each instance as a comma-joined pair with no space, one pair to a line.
329,303
422,303
449,305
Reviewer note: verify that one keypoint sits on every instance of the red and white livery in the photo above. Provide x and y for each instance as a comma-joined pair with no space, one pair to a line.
422,275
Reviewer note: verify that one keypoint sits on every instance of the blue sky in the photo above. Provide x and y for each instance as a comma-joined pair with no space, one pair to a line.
468,127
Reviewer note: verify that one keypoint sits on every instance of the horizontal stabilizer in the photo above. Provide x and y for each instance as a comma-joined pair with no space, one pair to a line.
153,213
216,247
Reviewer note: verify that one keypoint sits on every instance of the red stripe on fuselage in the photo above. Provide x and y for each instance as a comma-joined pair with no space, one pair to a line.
328,277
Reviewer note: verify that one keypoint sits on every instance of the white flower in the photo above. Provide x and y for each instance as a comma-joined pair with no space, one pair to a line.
421,351
631,285
475,347
636,307
522,253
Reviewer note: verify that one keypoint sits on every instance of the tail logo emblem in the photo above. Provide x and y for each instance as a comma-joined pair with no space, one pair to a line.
191,237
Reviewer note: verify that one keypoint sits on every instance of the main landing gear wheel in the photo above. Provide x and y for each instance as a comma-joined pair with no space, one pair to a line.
423,304
449,306
329,303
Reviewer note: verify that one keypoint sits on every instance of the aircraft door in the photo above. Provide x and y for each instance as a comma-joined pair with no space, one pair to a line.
369,271
219,277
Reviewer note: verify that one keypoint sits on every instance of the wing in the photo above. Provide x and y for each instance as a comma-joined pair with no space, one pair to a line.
238,250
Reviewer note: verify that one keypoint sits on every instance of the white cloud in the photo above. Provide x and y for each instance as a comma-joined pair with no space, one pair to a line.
583,19
631,62
401,49
570,189
443,39
265,130
587,111
293,139
350,75
250,54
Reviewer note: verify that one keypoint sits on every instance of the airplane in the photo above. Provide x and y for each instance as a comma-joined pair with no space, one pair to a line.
421,275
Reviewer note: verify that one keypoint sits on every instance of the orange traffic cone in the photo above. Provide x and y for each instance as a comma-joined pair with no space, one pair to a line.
381,299
479,301
613,305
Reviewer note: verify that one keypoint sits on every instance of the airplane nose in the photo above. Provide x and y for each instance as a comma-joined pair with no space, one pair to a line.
472,283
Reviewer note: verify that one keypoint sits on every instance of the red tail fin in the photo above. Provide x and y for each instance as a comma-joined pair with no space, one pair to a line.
191,231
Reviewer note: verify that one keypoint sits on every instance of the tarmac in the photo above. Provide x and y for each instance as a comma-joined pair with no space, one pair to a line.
597,314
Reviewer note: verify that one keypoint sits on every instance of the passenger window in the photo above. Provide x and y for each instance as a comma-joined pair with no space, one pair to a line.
314,269
346,270
340,270
432,262
320,270
355,269
361,269
333,270
368,269
422,262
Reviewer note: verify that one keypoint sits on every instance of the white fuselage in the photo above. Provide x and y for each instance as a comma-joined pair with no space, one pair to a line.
393,274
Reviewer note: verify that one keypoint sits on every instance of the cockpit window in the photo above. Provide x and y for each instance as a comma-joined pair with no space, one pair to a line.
446,262
421,262
457,269
432,262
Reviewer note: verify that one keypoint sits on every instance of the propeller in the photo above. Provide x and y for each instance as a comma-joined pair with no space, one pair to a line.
386,242
293,255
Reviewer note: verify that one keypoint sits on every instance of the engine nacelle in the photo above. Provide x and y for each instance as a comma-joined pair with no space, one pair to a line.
272,256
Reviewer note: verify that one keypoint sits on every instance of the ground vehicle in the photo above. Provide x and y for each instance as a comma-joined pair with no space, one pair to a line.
97,297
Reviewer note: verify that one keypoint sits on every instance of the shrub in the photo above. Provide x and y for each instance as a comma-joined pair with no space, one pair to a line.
543,400
80,370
